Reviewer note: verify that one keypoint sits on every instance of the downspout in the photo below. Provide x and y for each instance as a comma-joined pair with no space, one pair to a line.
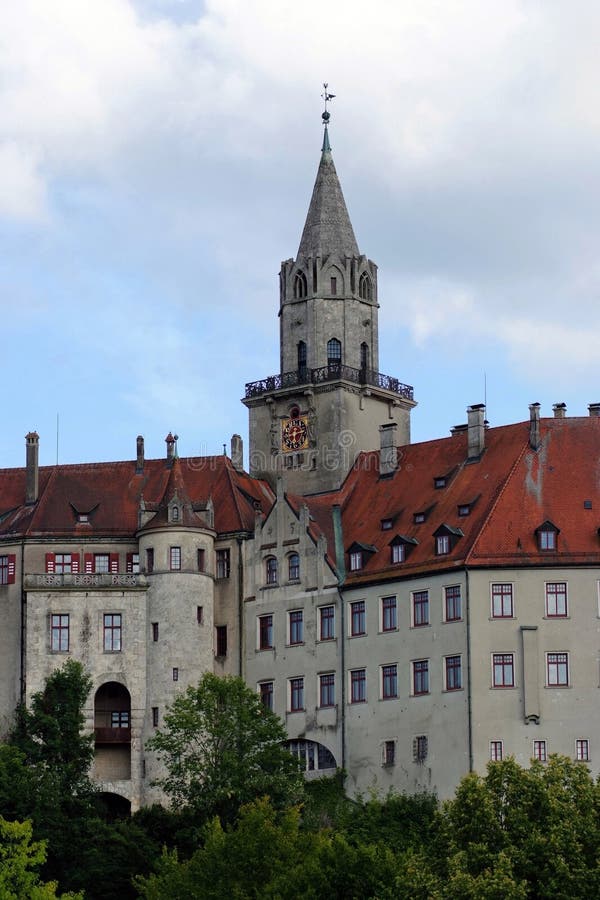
241,641
22,678
469,702
338,533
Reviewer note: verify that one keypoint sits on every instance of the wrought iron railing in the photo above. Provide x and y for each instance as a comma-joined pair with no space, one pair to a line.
333,372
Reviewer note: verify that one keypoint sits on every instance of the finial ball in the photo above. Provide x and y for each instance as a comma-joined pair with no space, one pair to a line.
326,117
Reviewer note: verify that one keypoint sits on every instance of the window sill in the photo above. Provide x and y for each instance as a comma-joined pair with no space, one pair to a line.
296,644
388,630
264,649
362,634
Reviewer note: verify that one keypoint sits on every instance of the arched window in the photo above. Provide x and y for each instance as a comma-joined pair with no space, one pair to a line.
300,285
365,289
302,359
271,569
294,567
334,353
364,356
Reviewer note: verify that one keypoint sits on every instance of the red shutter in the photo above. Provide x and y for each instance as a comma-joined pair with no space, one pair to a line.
88,562
75,563
113,563
50,562
129,563
11,568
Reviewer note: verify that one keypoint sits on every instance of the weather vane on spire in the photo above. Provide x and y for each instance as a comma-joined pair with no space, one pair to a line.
326,97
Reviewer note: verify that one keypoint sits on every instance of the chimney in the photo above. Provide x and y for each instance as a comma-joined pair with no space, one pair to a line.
476,430
388,453
32,444
458,429
560,410
139,468
594,409
170,442
534,426
237,452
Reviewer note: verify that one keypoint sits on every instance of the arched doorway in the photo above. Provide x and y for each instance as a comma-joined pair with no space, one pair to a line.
112,732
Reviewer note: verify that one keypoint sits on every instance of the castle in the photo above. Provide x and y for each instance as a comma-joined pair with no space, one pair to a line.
409,610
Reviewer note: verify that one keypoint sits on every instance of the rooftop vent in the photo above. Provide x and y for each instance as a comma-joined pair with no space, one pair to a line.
560,410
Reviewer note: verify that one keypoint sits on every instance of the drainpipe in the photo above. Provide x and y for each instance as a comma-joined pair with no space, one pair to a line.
23,682
469,701
241,641
336,514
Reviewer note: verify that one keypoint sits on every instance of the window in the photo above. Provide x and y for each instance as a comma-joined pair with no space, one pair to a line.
546,539
389,753
386,524
502,601
356,560
326,623
453,673
301,360
271,569
388,614
133,563
59,633
358,686
266,694
556,599
452,603
101,562
327,689
364,357
539,750
112,632
175,674
389,681
296,694
333,282
63,563
334,353
312,755
221,636
175,559
364,287
119,718
201,559
293,567
174,513
300,286
439,482
296,627
265,632
155,716
442,544
464,509
150,560
582,750
155,631
200,615
420,748
357,618
419,518
223,563
421,677
503,670
398,553
420,608
558,669
496,751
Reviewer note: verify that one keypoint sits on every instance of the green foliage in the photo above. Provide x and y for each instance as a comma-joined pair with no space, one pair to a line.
222,747
20,857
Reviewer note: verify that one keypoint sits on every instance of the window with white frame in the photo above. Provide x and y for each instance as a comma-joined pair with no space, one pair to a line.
556,599
326,623
358,686
452,603
420,677
175,559
502,601
101,562
557,667
296,626
356,560
112,632
503,670
582,749
389,681
496,751
453,673
358,618
442,544
327,689
539,750
420,608
296,687
63,563
389,617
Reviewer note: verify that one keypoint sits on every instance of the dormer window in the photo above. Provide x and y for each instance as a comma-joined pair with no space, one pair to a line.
386,524
547,536
401,546
464,509
175,514
439,482
356,560
419,518
83,518
445,538
358,555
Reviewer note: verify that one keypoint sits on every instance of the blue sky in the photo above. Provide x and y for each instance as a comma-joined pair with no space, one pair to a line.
156,163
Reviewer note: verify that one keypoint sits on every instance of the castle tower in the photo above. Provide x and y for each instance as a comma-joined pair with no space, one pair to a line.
309,422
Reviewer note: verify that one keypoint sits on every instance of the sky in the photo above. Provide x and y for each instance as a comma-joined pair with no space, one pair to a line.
157,159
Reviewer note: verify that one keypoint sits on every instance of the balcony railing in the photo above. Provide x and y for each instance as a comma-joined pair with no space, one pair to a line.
333,372
112,735
85,580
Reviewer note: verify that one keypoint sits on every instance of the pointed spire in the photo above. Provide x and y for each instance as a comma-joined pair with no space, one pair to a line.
328,228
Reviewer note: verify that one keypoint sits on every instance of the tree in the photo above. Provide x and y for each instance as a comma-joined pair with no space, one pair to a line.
222,747
20,857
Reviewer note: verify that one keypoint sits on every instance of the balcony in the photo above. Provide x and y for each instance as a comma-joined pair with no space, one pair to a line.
112,735
334,372
86,580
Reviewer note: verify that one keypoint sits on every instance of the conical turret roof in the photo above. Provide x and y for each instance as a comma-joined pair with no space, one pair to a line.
328,228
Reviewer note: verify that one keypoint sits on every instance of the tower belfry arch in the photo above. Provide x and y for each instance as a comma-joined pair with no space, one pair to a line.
327,403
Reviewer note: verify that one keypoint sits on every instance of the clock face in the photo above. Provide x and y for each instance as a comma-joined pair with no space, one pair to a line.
294,434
